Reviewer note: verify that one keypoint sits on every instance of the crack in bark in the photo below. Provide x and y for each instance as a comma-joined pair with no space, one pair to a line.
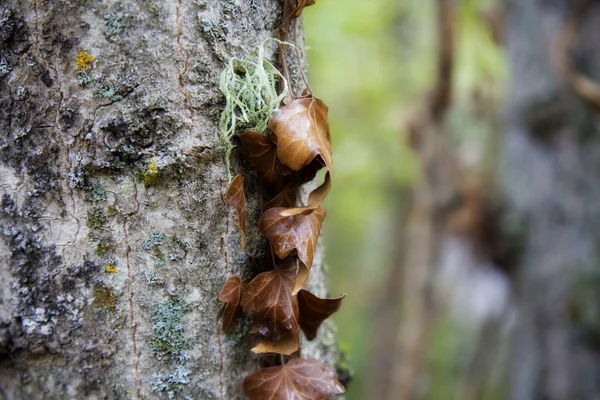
131,279
183,72
221,358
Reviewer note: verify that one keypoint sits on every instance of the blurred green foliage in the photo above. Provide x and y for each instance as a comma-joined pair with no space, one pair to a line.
372,62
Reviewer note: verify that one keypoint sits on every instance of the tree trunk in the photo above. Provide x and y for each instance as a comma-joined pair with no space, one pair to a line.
550,175
115,237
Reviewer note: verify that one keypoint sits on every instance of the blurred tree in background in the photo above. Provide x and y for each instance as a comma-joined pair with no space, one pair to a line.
464,218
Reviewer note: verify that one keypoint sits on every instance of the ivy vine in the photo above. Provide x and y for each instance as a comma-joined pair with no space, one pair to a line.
287,150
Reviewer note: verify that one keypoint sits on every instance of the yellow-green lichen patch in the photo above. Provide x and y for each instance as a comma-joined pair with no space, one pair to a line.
104,243
83,65
111,269
151,173
159,257
104,298
83,61
112,211
96,218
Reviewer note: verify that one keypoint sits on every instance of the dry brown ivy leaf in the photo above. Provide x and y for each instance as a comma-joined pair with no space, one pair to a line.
231,294
302,277
287,344
302,133
269,299
235,197
314,310
298,379
314,200
293,9
307,173
285,198
301,272
298,232
262,154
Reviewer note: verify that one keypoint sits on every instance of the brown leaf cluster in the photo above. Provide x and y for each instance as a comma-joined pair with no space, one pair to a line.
298,379
279,306
296,148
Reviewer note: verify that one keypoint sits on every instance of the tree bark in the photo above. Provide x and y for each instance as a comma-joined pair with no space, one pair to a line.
115,236
551,158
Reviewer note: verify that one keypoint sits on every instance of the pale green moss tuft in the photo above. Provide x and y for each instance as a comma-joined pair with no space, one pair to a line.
250,89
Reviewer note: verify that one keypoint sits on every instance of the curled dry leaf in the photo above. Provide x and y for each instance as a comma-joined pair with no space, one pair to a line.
302,277
231,294
314,310
293,9
285,198
287,344
301,272
308,172
302,133
262,154
269,299
298,232
235,197
298,379
314,200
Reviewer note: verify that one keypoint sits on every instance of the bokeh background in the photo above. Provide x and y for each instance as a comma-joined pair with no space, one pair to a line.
434,307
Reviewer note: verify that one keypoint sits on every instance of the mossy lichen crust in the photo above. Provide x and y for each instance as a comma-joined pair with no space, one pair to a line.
169,339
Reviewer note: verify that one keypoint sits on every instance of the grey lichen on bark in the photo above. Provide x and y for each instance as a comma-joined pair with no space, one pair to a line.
115,237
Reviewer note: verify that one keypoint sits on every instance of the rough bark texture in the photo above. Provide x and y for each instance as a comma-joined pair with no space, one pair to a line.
115,237
550,171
